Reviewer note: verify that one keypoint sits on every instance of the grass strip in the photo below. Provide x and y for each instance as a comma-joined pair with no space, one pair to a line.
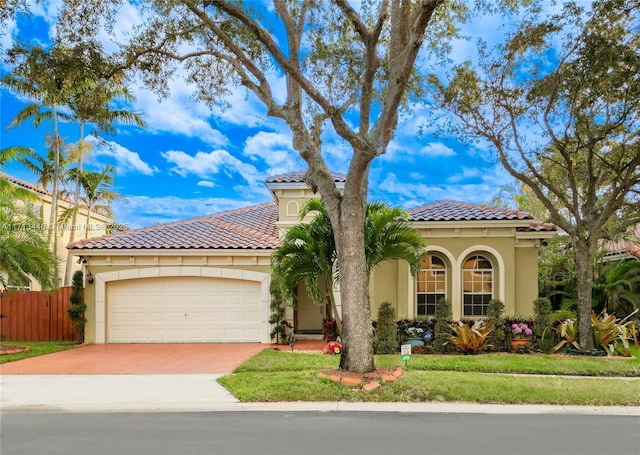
422,386
274,361
37,348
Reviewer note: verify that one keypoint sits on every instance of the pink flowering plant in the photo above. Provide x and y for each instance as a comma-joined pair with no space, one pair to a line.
521,330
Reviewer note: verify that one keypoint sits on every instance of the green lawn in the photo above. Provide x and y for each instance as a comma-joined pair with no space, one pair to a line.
487,378
36,348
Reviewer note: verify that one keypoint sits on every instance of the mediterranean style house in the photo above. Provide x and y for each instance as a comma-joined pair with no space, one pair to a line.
207,279
41,208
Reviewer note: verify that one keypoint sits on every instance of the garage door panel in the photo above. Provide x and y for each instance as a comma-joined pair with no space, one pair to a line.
183,309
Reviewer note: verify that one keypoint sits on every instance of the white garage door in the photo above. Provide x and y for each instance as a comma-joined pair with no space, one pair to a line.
182,310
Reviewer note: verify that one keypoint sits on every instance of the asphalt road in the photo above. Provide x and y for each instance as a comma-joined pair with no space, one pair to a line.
310,433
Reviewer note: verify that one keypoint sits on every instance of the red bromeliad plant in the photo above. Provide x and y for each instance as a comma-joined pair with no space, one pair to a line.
471,339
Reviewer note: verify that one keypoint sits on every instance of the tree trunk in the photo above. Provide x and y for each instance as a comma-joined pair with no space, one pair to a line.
585,260
76,205
53,218
357,330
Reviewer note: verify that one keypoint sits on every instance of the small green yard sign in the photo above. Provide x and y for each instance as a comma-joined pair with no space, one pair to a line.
405,353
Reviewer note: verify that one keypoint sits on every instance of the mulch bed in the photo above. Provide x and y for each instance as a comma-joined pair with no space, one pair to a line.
377,375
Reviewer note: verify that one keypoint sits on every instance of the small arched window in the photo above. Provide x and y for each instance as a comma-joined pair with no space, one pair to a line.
477,285
431,285
293,209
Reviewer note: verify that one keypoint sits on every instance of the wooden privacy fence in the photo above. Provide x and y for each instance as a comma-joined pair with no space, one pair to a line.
36,316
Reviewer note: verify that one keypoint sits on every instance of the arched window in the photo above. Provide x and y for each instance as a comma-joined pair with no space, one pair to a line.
432,284
477,285
292,208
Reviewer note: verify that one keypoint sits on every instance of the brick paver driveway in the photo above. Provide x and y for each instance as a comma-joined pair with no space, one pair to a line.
139,359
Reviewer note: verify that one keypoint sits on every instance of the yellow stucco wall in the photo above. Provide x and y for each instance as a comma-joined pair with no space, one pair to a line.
526,281
515,274
96,225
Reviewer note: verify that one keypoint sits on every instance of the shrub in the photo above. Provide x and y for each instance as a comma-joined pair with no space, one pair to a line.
78,307
280,325
442,329
562,315
542,320
329,329
495,314
386,341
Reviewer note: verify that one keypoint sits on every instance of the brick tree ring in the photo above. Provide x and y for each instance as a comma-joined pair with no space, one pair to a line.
6,349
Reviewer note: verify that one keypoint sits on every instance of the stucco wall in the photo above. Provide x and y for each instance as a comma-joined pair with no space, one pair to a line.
526,281
515,274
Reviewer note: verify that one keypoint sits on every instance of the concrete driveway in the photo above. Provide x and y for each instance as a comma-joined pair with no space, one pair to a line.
138,359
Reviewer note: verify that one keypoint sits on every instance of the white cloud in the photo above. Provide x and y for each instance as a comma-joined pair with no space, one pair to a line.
7,35
437,149
413,193
205,165
467,173
126,160
206,184
275,149
178,114
142,211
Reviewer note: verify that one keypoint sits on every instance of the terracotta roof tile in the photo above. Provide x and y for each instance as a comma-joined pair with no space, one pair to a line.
539,226
246,228
26,185
461,211
622,246
298,177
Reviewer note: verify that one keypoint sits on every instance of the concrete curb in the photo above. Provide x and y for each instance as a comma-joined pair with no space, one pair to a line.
202,393
458,408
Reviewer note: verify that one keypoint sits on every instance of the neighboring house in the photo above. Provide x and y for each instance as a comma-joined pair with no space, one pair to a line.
207,279
623,248
42,209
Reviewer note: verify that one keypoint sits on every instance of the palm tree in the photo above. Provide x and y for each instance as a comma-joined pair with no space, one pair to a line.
389,235
50,77
308,254
616,287
93,107
96,197
24,252
14,154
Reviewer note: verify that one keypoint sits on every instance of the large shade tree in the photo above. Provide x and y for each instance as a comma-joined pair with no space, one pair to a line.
335,63
560,105
343,67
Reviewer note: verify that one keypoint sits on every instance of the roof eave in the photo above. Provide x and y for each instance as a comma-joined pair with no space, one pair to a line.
171,252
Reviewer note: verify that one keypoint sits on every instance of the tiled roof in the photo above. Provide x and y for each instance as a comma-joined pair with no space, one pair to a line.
255,228
26,185
462,211
298,177
246,228
539,226
624,246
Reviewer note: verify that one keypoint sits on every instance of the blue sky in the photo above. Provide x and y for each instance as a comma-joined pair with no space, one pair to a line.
192,161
